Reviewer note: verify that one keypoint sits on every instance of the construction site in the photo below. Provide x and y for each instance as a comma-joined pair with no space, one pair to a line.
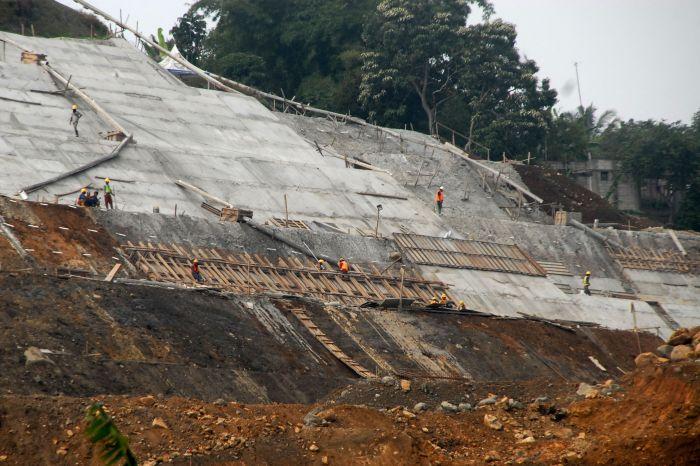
459,335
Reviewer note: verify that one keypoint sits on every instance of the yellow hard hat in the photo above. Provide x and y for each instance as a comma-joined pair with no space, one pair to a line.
84,190
588,273
461,302
75,107
444,295
107,180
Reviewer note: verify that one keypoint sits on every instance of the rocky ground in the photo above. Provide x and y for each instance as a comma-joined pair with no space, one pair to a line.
651,417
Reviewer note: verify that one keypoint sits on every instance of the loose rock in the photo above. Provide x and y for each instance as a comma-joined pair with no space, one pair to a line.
645,359
664,350
681,353
33,355
420,407
492,422
491,400
464,407
159,423
681,336
405,385
449,407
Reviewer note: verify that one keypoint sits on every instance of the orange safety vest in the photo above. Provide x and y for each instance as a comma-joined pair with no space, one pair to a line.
343,266
439,196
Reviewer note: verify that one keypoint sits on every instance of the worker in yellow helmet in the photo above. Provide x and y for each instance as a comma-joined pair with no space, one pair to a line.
461,306
587,283
321,265
109,194
443,300
82,197
75,116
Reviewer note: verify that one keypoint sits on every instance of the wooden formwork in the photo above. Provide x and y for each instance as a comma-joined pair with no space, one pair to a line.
252,273
466,254
655,260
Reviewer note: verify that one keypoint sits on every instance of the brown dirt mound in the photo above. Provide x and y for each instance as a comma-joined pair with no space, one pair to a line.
57,236
556,188
653,420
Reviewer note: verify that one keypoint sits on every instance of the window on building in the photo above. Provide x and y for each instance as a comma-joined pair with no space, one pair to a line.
604,176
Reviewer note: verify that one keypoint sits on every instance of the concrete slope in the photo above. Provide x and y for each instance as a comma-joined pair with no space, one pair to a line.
228,144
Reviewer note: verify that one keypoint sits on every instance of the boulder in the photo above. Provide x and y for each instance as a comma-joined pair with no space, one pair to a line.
492,422
33,355
449,407
312,420
645,359
681,352
664,351
464,407
682,336
388,380
419,407
587,390
491,400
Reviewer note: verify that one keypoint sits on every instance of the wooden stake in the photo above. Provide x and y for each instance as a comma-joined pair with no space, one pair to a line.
401,290
636,330
286,212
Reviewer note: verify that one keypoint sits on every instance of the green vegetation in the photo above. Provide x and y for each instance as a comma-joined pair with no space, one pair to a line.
49,19
101,431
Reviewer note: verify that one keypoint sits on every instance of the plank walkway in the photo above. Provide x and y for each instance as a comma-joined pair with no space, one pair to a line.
330,345
655,260
467,254
252,273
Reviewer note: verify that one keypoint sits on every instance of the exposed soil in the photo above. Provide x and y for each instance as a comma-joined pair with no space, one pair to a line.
56,236
653,420
554,187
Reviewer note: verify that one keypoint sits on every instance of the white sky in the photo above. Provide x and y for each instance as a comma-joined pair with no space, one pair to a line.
640,58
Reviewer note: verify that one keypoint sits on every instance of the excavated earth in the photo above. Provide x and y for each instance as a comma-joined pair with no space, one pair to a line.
231,379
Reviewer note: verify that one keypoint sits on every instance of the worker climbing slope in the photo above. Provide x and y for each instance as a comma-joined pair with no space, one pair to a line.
587,283
75,117
343,265
439,199
109,194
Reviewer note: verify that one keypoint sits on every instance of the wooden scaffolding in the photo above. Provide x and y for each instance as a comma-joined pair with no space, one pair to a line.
253,273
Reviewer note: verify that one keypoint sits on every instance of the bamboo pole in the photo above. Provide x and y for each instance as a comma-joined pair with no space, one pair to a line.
201,192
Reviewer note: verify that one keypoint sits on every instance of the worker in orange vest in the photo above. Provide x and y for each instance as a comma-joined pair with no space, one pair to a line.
343,265
439,199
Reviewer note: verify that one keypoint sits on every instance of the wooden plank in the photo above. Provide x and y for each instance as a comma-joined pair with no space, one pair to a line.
113,273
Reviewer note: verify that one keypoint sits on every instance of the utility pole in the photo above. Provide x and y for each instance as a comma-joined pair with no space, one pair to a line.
578,85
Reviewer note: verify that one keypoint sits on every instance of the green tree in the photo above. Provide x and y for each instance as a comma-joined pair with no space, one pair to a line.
415,45
189,34
574,135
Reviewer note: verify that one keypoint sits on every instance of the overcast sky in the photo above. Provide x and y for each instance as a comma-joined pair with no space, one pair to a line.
640,58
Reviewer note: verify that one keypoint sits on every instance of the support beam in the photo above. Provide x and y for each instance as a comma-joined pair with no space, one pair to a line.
455,150
594,234
80,169
157,46
680,247
202,193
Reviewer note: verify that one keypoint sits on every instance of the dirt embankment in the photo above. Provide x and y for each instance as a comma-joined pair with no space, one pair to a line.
651,419
556,188
56,237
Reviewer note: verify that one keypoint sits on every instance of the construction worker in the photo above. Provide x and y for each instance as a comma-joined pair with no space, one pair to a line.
343,265
109,193
443,300
434,301
92,200
75,116
195,271
587,283
439,199
461,306
321,265
82,197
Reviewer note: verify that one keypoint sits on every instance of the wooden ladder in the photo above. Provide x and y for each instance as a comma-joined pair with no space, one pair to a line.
330,346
